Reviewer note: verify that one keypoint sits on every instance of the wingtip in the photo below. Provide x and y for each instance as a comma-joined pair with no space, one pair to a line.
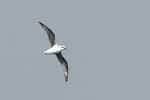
66,79
40,23
66,76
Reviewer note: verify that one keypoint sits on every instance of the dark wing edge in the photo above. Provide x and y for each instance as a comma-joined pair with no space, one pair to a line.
50,33
64,65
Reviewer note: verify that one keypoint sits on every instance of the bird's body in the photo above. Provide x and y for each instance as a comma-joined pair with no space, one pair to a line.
56,49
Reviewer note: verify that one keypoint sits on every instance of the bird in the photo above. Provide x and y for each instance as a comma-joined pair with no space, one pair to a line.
56,49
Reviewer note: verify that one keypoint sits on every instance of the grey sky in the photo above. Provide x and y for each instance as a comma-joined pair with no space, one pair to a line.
107,50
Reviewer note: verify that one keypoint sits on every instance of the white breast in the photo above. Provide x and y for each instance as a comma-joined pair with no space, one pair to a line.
53,50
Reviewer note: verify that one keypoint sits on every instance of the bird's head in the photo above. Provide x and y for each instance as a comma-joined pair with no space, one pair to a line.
62,47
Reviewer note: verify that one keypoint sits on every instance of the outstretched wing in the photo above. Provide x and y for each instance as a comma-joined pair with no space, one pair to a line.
64,64
50,33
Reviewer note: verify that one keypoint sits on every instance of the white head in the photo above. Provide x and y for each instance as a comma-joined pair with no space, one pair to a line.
62,47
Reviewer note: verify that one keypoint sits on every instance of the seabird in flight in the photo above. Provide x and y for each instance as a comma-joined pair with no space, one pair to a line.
56,49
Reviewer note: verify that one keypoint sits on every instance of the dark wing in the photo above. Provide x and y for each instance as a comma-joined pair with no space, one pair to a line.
64,64
50,33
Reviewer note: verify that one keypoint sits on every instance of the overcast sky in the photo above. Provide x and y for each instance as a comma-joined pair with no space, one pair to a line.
108,49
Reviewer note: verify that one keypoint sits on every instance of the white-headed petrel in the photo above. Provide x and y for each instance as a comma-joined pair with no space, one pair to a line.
56,49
